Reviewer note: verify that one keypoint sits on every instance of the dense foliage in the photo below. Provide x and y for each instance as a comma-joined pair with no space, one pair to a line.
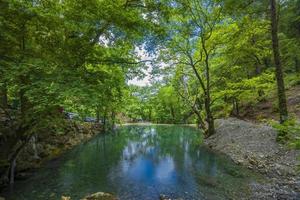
65,56
219,59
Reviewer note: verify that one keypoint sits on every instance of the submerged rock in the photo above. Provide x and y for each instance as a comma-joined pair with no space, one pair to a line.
95,196
100,196
165,197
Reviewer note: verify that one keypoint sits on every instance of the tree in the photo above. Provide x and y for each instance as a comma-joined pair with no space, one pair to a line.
283,112
195,23
52,55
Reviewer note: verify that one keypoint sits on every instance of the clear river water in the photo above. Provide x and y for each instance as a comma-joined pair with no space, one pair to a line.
139,162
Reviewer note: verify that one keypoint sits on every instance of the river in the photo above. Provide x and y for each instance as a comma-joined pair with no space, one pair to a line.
139,162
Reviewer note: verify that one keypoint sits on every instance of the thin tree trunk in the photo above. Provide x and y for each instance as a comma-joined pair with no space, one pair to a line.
150,115
257,66
22,103
200,121
113,120
237,107
34,147
266,62
97,114
297,65
283,112
12,171
3,96
172,113
104,121
257,69
13,161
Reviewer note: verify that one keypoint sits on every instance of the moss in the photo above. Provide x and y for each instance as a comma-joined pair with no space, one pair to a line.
55,152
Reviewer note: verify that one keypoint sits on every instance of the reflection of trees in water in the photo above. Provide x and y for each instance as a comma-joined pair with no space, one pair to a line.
159,140
94,166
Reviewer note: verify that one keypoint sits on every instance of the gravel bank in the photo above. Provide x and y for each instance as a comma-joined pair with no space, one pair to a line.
255,147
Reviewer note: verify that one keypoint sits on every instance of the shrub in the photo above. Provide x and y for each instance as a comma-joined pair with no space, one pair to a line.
288,132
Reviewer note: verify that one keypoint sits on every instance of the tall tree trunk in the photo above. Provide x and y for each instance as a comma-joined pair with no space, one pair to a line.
209,118
279,74
207,101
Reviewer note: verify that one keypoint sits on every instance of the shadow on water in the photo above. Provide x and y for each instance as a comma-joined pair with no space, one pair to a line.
139,162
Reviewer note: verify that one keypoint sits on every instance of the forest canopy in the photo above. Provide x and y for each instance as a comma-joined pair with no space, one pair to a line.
209,57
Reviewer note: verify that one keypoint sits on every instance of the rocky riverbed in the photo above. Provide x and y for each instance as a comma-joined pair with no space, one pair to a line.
255,147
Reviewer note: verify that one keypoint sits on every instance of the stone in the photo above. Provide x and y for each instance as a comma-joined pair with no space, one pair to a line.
252,161
239,162
100,196
165,197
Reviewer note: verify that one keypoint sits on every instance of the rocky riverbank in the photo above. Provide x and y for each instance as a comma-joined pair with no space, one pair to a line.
47,146
255,147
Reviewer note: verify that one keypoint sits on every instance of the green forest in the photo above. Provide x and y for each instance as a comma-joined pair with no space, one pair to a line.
69,65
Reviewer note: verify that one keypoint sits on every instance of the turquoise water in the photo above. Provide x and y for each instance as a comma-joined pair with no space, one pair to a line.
139,162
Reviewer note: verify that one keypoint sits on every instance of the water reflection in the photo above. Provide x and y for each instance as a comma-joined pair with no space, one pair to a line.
139,162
